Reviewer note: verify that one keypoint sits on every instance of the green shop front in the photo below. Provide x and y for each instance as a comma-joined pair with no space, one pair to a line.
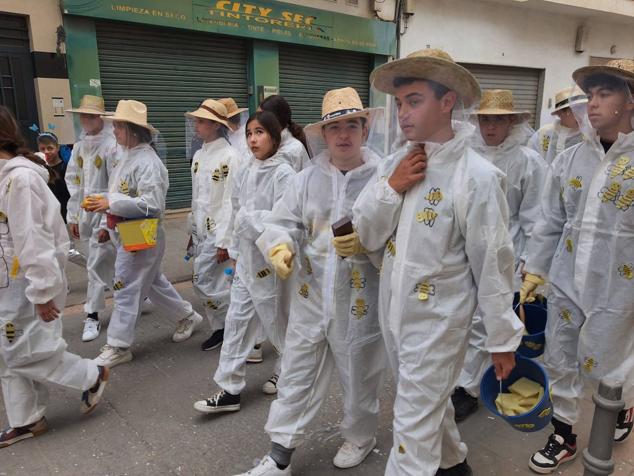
173,54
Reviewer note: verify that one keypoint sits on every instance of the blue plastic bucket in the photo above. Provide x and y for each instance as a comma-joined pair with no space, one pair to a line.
529,422
532,345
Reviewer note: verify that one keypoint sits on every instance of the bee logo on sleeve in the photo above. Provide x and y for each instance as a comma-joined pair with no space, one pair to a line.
629,173
425,290
77,179
263,273
626,270
118,285
214,305
434,197
216,175
80,162
303,291
307,265
619,167
566,315
11,333
360,309
427,216
569,245
576,183
391,248
225,171
589,364
98,161
611,193
624,202
210,224
124,188
196,167
545,143
357,281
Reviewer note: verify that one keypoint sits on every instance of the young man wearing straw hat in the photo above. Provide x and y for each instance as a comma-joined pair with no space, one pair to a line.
501,137
213,168
333,321
584,246
553,138
88,170
447,251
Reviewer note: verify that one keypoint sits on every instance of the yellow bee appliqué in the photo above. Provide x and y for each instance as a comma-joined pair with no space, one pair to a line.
263,273
360,309
425,290
118,285
611,193
303,291
307,265
391,248
619,166
576,183
216,175
214,305
98,161
589,363
434,197
629,173
357,281
124,188
80,162
210,224
196,167
15,268
566,315
10,332
225,171
626,270
569,245
624,202
545,143
77,179
427,216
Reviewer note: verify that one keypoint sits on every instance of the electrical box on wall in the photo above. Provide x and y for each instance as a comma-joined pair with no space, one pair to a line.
409,7
385,9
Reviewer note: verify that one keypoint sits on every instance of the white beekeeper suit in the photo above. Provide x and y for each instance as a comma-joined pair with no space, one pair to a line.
447,250
138,187
213,169
552,139
293,151
256,290
333,321
34,247
584,245
525,172
91,163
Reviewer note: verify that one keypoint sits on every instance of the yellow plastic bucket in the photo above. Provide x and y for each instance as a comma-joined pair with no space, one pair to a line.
137,235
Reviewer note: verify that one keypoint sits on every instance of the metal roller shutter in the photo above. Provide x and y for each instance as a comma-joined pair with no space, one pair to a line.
524,82
307,73
171,71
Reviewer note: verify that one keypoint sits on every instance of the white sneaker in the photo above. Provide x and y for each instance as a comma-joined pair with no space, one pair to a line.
270,386
350,455
186,326
91,330
111,356
147,306
267,467
255,356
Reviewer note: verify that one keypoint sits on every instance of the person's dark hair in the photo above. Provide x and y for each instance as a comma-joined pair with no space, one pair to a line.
143,134
606,81
438,89
282,110
269,122
12,141
47,138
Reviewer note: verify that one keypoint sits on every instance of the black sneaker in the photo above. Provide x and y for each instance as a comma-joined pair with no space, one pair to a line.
214,341
220,402
462,469
463,403
556,451
624,424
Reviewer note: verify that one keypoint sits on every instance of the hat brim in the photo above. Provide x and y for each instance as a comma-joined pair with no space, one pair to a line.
94,112
523,115
114,117
368,113
567,105
237,111
581,74
202,114
449,74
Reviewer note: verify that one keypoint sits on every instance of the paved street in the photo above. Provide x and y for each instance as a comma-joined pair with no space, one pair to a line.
147,425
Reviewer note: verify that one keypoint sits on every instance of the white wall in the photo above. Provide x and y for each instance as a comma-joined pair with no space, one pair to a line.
474,31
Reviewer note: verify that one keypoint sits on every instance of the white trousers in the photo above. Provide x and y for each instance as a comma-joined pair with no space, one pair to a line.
210,283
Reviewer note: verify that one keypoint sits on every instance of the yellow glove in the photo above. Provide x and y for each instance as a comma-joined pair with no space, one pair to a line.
348,245
281,257
529,285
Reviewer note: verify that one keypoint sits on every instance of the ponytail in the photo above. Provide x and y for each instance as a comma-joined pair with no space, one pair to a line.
297,132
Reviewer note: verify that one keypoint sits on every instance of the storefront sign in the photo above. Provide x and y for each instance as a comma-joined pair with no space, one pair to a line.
261,19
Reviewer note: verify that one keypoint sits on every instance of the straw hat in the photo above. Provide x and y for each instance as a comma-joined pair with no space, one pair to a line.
432,64
134,112
498,102
232,107
340,104
91,105
622,68
569,97
212,110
